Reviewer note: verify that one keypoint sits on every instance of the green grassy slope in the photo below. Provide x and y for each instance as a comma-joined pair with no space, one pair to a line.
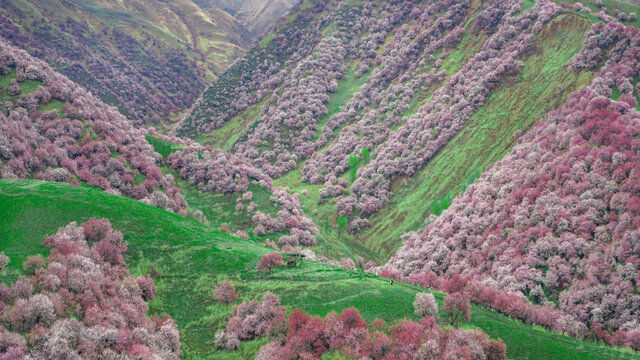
188,258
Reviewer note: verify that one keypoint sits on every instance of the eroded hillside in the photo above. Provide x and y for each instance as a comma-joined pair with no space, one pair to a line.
257,16
150,59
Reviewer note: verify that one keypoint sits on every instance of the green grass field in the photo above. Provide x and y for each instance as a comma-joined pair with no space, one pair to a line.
190,258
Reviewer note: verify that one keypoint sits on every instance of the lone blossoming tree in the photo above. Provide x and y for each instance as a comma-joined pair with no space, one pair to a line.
425,305
270,261
456,306
225,292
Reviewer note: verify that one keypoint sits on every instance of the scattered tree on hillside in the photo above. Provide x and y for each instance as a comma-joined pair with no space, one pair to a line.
250,320
425,305
225,292
4,261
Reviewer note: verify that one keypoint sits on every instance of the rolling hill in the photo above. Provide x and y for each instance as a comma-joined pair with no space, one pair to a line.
188,258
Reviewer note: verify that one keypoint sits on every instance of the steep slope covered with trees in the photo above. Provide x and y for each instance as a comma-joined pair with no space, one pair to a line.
151,59
557,218
53,129
378,115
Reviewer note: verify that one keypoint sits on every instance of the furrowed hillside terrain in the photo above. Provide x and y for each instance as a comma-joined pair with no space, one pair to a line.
52,129
557,218
357,111
151,59
181,254
257,16
379,116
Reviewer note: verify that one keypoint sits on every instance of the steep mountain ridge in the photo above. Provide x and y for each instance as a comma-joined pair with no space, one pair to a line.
149,58
257,16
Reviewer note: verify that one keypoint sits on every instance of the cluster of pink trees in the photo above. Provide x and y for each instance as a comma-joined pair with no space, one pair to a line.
84,141
422,35
221,172
215,170
82,300
297,110
409,148
557,219
290,218
480,292
252,78
514,305
310,337
286,130
250,320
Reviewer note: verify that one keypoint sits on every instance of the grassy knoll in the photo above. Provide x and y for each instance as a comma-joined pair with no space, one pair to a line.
189,258
162,147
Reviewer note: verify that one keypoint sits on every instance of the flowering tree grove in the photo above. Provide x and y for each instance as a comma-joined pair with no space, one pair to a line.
82,300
